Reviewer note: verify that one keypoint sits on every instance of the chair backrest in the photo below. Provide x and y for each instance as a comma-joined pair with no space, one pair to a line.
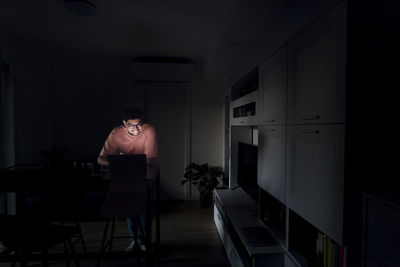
129,188
124,204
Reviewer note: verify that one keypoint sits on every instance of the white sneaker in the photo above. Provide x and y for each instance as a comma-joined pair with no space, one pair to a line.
131,246
2,247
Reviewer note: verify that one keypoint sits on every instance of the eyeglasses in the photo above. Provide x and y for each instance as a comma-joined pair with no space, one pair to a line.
131,125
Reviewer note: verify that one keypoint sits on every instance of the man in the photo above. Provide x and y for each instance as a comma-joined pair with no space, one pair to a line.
134,137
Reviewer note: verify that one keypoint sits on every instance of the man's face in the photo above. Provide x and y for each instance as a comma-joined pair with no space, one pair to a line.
134,127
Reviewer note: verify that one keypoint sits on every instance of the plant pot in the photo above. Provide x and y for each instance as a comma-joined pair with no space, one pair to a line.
206,200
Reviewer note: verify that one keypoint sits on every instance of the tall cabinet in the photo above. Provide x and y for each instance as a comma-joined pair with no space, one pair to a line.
316,123
302,135
272,125
301,120
325,119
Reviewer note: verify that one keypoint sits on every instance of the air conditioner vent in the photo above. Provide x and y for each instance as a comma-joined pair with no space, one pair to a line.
160,82
152,59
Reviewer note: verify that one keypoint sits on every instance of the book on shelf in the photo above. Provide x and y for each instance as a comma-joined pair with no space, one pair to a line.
325,251
344,257
333,254
320,249
330,252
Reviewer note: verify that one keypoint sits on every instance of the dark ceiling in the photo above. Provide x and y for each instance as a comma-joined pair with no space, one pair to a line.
217,33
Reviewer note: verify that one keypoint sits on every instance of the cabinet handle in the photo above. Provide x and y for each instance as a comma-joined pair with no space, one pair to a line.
270,130
292,178
234,254
311,117
271,120
242,122
310,132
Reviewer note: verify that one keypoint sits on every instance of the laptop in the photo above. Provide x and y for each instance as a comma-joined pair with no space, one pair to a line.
129,167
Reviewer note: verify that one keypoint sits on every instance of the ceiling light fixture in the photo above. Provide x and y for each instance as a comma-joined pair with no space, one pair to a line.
80,7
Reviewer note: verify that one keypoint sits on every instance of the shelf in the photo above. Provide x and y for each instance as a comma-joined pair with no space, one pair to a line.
236,200
273,215
242,223
243,110
310,247
243,235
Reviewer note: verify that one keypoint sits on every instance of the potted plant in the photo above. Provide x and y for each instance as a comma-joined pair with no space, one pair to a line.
205,178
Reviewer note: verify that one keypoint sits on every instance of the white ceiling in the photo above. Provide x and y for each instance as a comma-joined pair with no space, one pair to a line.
216,32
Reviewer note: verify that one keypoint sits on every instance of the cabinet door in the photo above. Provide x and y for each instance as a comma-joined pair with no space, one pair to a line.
317,68
271,160
315,175
272,91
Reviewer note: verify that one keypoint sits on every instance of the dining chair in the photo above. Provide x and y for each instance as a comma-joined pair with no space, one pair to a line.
128,195
64,208
22,235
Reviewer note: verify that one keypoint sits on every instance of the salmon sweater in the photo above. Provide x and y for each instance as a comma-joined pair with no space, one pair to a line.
119,141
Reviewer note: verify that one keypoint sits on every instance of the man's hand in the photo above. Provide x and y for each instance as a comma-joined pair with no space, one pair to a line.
102,161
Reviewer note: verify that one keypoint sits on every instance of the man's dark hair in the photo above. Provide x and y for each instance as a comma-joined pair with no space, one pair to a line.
133,114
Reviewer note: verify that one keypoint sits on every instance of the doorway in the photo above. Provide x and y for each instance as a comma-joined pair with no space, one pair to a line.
7,129
166,110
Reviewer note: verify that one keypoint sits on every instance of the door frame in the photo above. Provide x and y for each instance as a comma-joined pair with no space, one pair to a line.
187,89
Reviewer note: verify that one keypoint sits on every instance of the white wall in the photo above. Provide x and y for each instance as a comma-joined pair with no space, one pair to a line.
66,100
90,93
166,111
72,101
7,129
208,121
32,103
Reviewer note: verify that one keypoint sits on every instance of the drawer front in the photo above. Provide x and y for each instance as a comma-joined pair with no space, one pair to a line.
234,258
219,223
